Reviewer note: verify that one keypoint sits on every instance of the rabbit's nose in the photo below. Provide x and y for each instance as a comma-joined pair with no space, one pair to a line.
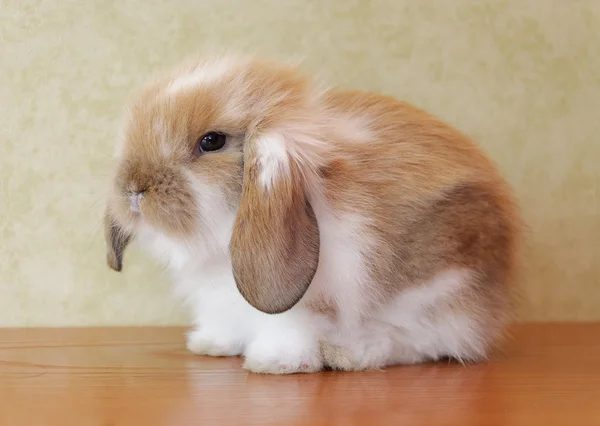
134,201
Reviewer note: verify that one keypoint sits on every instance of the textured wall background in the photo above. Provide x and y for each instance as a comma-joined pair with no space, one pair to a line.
521,76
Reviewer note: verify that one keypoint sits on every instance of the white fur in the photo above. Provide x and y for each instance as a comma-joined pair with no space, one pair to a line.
205,73
353,129
305,147
364,336
225,324
273,159
404,331
341,275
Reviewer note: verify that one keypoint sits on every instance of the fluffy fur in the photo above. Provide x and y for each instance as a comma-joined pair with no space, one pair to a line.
335,229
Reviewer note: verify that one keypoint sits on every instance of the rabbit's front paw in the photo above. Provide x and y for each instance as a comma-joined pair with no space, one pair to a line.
213,342
272,356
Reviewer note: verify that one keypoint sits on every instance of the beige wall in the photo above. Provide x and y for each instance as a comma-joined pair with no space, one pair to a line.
521,76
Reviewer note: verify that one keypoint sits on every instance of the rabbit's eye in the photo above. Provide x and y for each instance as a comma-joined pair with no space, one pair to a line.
212,141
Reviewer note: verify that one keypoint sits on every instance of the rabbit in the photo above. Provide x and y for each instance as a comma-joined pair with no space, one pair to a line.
309,227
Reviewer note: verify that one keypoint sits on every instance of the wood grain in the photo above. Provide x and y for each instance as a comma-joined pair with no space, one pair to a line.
549,375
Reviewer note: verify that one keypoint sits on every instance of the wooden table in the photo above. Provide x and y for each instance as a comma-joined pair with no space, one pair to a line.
549,375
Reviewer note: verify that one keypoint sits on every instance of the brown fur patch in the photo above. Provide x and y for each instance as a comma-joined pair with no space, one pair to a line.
434,202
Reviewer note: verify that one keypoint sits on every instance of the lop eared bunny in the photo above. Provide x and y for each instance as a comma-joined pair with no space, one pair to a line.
310,228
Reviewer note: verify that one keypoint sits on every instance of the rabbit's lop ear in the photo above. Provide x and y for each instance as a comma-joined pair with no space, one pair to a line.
116,242
275,241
